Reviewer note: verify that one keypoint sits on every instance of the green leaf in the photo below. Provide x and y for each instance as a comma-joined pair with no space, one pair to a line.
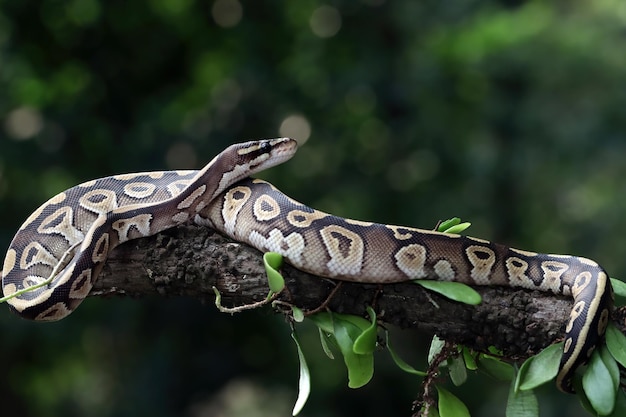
363,331
346,329
446,224
611,365
495,368
449,405
620,405
218,298
353,330
400,362
456,291
356,339
436,345
304,382
458,372
540,368
616,343
360,367
366,342
324,343
297,314
453,225
458,228
358,321
273,261
470,359
323,320
598,385
619,287
494,351
521,403
580,393
324,323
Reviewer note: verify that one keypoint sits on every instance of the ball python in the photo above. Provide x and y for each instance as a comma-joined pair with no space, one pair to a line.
63,245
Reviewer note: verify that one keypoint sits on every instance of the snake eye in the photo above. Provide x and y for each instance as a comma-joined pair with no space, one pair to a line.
265,147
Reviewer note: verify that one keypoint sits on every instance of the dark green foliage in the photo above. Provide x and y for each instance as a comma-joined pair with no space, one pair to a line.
507,113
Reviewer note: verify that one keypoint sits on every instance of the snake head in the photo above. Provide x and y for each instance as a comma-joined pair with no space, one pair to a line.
241,160
259,155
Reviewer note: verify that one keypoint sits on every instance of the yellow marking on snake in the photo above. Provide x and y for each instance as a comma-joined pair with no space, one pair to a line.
235,199
291,246
411,259
68,239
187,202
139,189
345,249
9,262
400,233
61,222
552,272
140,223
99,201
301,218
444,270
35,254
482,259
516,271
266,208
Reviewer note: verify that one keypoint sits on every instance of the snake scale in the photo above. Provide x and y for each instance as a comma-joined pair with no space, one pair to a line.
68,239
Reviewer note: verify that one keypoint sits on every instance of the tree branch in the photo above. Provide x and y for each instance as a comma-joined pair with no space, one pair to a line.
189,260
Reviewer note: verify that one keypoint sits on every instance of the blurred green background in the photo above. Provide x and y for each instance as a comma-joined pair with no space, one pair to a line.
509,114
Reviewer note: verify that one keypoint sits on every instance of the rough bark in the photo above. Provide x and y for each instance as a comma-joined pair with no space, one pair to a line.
190,260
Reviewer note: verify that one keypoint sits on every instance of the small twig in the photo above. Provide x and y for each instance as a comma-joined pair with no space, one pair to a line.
325,303
431,299
427,400
239,309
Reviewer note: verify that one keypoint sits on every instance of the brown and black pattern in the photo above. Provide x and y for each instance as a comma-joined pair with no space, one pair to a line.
67,240
352,250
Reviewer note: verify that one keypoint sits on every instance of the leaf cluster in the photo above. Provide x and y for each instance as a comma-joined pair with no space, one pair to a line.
355,338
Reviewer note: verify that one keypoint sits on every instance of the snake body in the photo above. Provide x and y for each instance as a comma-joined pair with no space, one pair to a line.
68,238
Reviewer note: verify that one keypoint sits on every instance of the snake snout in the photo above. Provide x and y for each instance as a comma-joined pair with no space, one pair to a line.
263,154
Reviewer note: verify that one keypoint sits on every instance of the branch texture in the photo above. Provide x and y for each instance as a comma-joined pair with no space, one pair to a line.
189,260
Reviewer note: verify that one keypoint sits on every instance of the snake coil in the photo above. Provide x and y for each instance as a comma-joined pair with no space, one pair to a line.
64,244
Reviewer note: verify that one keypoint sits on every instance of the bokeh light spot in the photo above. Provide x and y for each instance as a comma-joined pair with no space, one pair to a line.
227,13
296,127
23,123
325,21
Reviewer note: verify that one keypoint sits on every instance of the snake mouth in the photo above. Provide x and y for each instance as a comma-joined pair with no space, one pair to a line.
282,150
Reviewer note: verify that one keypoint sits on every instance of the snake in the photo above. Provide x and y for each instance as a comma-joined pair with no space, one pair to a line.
57,254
